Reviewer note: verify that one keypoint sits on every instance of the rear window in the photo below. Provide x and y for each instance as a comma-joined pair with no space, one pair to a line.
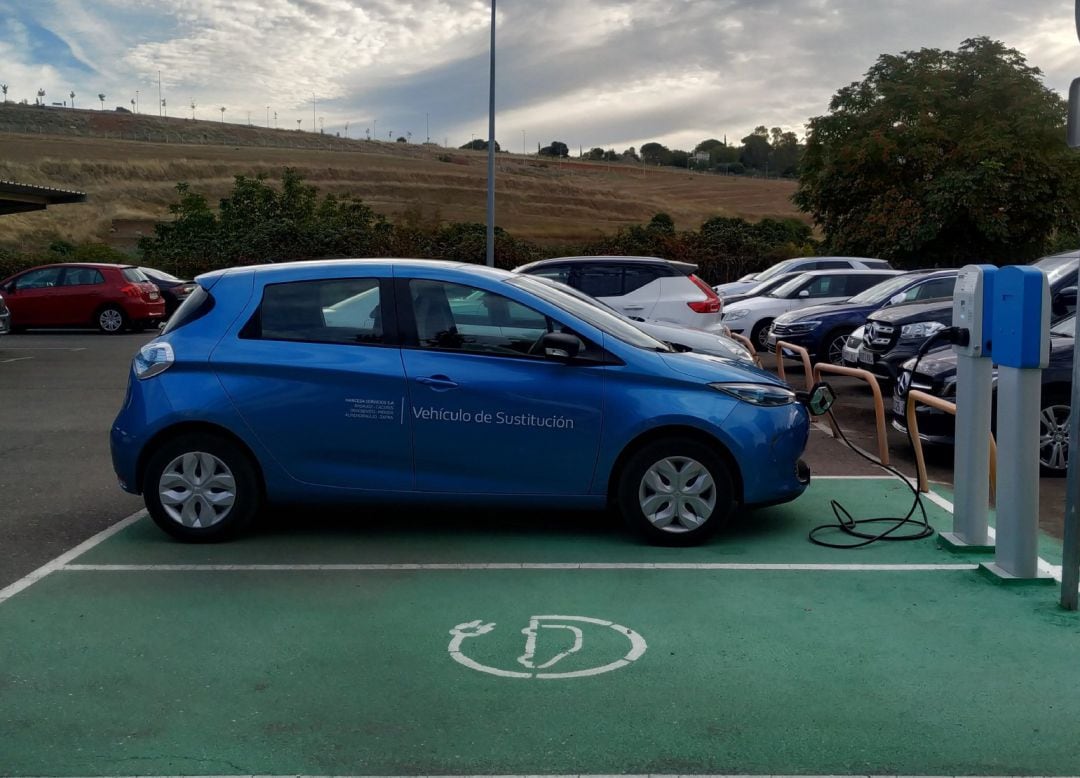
134,275
198,304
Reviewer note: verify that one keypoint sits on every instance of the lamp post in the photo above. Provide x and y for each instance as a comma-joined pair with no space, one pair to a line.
491,149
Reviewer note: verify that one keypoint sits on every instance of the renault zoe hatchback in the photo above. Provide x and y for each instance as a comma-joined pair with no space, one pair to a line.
422,382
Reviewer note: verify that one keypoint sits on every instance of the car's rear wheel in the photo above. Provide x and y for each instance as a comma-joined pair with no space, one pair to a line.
111,320
760,334
832,347
201,488
1054,435
675,491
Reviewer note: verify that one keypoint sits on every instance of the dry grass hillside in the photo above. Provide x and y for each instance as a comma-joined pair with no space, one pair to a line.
129,166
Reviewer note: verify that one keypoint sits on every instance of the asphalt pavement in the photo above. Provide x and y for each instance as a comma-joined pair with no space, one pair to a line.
59,393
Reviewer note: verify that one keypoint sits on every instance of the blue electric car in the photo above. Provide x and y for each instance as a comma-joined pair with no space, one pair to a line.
411,381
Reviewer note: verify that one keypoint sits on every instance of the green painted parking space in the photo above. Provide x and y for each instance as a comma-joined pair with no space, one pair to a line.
113,671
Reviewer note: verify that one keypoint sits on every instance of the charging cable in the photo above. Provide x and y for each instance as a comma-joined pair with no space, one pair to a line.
919,528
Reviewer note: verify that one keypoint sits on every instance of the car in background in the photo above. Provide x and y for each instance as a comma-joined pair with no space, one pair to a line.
173,290
800,265
936,374
894,335
109,297
823,330
752,318
5,317
759,289
648,288
680,338
463,385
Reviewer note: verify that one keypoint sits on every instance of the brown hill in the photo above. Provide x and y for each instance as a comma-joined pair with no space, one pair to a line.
129,165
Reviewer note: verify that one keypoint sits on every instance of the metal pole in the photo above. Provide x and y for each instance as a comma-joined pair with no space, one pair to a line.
491,150
1070,563
974,400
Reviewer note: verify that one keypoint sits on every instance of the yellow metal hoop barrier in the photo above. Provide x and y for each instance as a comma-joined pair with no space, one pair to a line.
915,396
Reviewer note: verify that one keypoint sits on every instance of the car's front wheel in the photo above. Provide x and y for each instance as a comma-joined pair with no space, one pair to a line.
201,488
675,491
760,334
832,347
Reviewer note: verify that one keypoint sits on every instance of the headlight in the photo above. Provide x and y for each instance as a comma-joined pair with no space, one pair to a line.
736,351
738,313
757,394
796,327
153,358
920,330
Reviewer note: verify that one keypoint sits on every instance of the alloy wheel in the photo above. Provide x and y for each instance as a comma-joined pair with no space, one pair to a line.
111,320
1054,437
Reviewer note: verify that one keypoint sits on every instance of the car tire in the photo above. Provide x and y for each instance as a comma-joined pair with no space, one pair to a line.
1054,434
832,347
760,333
202,488
111,320
651,502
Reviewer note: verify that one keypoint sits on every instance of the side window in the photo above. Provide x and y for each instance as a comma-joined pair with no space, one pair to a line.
825,286
637,276
460,318
336,310
560,273
39,279
82,276
857,284
598,280
938,287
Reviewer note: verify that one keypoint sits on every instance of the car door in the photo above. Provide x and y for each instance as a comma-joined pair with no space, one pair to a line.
316,375
489,415
80,293
32,298
818,290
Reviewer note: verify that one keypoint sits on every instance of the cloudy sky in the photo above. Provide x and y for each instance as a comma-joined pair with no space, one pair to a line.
609,73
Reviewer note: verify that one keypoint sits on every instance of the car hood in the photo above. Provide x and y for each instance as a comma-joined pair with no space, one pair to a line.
735,287
717,369
909,312
941,362
825,309
696,340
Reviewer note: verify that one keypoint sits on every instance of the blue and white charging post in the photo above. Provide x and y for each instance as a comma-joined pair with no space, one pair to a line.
1021,348
973,310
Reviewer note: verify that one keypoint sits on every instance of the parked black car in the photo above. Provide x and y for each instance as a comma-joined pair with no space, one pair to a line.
173,290
936,375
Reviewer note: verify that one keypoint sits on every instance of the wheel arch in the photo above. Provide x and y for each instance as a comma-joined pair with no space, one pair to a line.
675,431
174,431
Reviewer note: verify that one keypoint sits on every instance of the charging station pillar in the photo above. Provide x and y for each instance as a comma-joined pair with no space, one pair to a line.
1021,346
973,305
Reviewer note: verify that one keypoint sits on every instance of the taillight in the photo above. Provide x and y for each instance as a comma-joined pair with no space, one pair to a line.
131,290
152,359
711,303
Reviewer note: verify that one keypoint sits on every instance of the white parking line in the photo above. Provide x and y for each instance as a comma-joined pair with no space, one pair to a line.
31,578
14,359
553,775
42,348
441,566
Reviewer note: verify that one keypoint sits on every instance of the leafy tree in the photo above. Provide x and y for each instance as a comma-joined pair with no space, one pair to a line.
655,154
556,149
476,144
942,157
785,154
611,156
708,145
595,154
679,158
756,149
631,154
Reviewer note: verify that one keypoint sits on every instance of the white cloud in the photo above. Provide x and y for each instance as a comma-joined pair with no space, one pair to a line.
588,72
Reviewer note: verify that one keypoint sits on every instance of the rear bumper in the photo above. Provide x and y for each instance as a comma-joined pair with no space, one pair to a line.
5,323
141,310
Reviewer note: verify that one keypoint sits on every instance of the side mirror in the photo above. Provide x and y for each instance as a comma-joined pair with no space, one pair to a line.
804,293
1064,301
819,399
561,346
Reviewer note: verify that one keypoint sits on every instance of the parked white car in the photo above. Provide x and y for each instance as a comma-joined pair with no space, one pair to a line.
752,317
797,265
648,288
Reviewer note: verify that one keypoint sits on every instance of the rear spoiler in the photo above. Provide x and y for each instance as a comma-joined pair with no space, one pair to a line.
686,268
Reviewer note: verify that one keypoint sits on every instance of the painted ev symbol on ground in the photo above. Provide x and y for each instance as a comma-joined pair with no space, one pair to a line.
568,624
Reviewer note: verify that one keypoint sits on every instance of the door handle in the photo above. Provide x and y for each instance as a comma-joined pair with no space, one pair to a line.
437,382
633,307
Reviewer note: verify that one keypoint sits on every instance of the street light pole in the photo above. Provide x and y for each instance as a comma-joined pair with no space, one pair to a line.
491,149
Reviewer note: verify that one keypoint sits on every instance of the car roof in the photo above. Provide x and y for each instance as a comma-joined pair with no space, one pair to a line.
688,267
287,268
851,271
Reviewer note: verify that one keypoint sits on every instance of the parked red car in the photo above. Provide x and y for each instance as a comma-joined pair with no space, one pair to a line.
109,297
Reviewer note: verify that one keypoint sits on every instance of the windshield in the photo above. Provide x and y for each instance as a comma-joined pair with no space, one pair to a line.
588,311
161,275
1058,270
1066,328
775,270
879,293
789,288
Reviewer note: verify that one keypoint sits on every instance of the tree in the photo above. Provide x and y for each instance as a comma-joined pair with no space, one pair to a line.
72,98
222,109
708,145
401,139
942,157
756,149
3,88
655,154
101,97
631,154
556,149
596,154
479,144
611,156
